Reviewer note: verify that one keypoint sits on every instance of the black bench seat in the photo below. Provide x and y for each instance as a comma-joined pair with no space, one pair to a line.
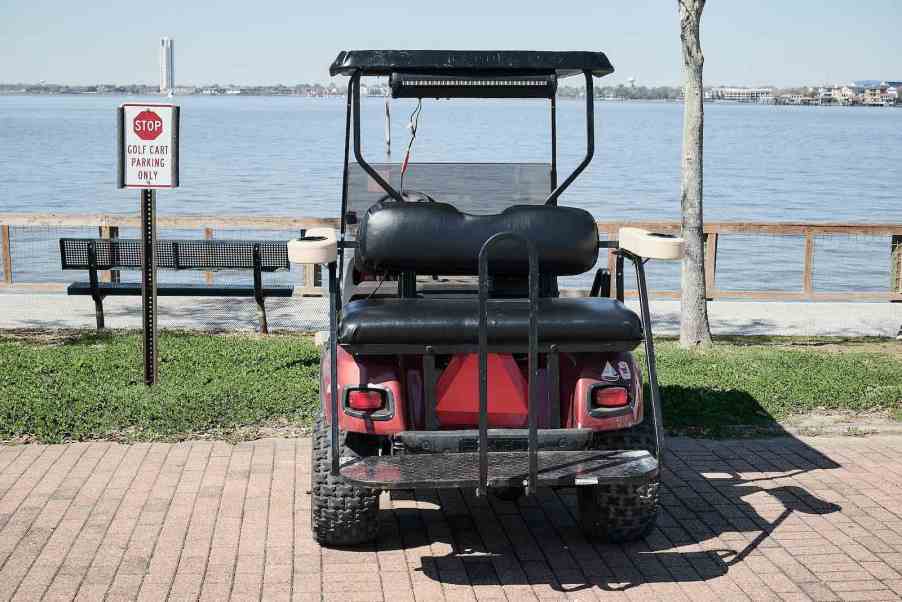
128,289
255,256
570,323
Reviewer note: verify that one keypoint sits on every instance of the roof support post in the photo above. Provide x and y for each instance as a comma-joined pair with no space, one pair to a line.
590,142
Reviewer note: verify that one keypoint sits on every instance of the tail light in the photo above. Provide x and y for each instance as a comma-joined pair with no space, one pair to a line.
610,397
366,400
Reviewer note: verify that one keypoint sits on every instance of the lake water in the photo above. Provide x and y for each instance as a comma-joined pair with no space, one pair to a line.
282,156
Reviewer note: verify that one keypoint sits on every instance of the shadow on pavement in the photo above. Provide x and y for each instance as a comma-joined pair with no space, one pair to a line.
721,502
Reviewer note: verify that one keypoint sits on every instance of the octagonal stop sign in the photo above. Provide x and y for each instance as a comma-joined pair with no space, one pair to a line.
147,125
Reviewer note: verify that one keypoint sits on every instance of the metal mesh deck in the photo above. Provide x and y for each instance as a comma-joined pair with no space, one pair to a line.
560,468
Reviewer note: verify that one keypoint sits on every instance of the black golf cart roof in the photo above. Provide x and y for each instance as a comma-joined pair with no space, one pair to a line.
470,62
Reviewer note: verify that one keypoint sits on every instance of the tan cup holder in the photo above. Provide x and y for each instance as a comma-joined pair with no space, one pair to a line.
651,245
319,245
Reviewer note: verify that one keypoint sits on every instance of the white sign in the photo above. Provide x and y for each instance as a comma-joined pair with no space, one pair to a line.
148,146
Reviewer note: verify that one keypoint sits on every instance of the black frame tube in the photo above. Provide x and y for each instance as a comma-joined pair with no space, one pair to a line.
590,142
333,366
533,360
553,368
618,276
650,363
358,154
553,142
430,418
344,189
354,96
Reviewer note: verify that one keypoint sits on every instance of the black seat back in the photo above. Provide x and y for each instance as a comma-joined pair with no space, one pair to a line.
436,238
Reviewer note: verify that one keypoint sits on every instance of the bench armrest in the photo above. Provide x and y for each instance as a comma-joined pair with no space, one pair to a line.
651,245
318,246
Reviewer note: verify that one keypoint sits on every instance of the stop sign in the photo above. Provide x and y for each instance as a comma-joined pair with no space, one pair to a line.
147,125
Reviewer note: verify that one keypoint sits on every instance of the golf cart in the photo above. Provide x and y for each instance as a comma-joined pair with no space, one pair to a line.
453,361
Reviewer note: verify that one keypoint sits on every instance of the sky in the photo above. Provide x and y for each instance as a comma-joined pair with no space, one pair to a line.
258,42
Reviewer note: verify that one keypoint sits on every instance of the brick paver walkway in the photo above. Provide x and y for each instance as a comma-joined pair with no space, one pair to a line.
813,519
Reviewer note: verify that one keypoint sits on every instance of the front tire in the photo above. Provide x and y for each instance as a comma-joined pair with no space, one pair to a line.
341,514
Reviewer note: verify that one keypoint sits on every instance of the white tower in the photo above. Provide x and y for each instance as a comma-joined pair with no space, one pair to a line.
167,66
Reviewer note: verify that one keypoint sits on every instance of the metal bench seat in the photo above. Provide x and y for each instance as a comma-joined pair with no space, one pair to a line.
126,289
257,256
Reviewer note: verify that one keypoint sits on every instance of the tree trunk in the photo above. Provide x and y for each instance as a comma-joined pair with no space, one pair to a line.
694,328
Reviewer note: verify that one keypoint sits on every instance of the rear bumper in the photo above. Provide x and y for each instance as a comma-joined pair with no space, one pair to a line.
505,469
500,440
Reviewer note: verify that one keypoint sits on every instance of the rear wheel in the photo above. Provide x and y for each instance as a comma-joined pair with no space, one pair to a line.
508,494
621,513
341,514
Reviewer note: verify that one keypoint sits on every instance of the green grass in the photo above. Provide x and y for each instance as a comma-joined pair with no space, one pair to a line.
87,386
754,383
92,386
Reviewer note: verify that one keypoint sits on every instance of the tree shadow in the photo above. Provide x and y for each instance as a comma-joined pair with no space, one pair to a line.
721,502
701,411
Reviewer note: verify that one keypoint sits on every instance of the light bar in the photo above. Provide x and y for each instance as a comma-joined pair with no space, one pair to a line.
424,86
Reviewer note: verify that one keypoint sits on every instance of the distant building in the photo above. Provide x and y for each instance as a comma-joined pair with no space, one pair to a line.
791,99
879,95
167,67
750,95
849,94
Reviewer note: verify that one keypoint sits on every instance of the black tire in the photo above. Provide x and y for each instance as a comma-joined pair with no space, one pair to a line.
340,513
621,513
641,436
507,494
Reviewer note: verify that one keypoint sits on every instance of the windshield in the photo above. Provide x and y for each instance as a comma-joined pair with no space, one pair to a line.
477,188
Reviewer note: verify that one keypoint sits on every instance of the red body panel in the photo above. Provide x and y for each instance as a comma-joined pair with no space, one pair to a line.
595,369
373,372
457,391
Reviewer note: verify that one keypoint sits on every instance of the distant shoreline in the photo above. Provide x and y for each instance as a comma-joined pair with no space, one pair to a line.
20,93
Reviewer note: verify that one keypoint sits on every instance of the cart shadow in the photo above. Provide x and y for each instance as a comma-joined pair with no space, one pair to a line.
721,501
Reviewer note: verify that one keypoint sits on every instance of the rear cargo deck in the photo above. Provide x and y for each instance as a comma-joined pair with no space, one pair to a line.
446,470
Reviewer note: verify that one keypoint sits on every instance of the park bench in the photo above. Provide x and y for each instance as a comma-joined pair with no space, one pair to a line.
95,255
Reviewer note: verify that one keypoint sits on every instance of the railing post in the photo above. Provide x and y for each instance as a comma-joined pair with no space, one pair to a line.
109,233
895,253
7,255
208,235
808,269
710,264
309,282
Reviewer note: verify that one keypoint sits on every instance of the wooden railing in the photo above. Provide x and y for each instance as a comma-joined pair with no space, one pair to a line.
108,226
810,231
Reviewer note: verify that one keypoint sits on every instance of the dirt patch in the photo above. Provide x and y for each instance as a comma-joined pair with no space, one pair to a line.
843,423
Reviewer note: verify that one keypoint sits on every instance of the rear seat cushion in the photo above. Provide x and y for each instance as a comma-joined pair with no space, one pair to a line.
449,321
436,238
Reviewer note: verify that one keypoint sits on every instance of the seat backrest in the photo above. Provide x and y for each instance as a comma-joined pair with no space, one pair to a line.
436,238
206,255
